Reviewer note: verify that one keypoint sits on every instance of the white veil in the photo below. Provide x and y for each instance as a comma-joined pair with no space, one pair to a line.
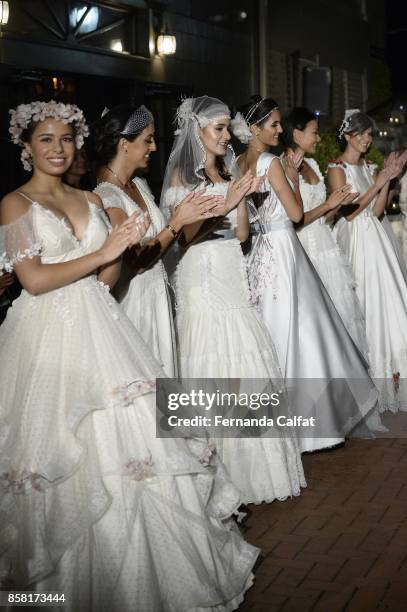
185,168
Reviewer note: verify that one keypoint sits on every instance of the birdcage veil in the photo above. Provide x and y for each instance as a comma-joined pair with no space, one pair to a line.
186,164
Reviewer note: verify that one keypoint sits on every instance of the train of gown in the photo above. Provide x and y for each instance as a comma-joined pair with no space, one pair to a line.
92,503
325,372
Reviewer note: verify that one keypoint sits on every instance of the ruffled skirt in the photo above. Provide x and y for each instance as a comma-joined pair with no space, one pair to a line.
221,336
92,503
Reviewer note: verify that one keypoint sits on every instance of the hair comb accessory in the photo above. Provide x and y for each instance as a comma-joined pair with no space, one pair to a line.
138,121
346,122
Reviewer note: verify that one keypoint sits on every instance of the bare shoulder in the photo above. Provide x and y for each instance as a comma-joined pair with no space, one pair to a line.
13,206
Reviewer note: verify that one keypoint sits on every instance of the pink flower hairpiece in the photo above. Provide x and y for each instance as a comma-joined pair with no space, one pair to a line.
24,114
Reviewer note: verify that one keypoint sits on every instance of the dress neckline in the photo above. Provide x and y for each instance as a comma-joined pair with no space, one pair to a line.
64,221
127,195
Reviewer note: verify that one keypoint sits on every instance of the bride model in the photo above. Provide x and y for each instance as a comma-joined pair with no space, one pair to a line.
381,285
311,340
300,134
220,334
93,504
122,142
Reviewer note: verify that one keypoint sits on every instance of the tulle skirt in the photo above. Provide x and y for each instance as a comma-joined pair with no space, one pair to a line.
92,503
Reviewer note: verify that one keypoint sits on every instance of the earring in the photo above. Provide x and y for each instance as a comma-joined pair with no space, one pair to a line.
26,159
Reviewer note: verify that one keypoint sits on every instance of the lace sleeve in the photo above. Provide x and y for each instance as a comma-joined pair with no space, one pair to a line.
18,240
114,197
110,198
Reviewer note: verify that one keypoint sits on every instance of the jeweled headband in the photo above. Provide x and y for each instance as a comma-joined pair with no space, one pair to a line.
252,110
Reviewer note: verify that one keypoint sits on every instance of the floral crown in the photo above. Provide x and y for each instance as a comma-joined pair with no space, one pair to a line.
347,120
24,114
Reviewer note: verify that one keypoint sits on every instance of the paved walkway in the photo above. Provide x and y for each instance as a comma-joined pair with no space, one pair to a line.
341,545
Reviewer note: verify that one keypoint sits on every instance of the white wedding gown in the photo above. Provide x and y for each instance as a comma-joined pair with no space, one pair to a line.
222,337
331,265
145,296
381,288
92,503
310,338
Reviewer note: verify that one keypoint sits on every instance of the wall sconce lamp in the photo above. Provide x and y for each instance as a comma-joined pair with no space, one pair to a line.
166,44
161,42
4,12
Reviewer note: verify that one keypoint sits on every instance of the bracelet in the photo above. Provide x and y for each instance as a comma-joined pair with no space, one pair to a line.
172,230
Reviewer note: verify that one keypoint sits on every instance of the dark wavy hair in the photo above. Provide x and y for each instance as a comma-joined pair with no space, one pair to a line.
105,133
257,110
358,122
295,119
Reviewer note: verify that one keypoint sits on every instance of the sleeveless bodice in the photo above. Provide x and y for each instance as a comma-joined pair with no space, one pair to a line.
360,177
271,212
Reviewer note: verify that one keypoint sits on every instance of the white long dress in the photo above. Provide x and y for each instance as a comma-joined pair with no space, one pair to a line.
381,289
221,336
331,265
310,338
92,503
145,296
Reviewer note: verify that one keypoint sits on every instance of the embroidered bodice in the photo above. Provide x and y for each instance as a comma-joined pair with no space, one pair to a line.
41,232
312,195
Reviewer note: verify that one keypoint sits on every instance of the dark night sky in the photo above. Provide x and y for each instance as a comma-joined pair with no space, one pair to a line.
397,44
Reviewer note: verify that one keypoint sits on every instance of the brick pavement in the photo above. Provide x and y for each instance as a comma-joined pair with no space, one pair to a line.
342,545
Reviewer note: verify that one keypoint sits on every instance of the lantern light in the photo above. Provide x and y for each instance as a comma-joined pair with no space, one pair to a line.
166,44
116,45
4,12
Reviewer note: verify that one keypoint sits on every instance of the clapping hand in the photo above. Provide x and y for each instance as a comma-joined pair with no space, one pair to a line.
237,190
125,235
341,197
293,164
197,206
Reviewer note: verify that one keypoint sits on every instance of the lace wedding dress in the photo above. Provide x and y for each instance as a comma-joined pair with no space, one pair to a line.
92,503
310,338
222,337
381,289
331,265
145,297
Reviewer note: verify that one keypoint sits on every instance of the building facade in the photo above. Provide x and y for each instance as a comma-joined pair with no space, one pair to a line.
98,54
